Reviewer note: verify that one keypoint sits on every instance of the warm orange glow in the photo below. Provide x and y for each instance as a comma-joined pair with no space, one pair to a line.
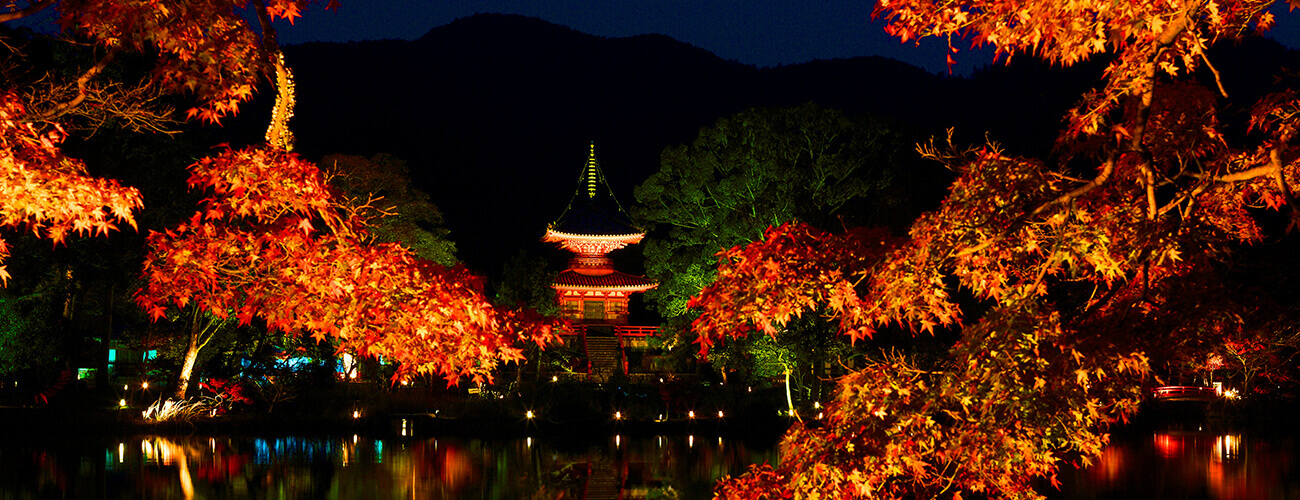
691,414
1169,445
528,414
583,244
1227,448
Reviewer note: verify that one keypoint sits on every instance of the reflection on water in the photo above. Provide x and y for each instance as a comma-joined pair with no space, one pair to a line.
357,466
1189,465
1160,465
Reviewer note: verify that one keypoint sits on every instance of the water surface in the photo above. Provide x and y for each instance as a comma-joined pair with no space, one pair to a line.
1148,466
360,466
1190,465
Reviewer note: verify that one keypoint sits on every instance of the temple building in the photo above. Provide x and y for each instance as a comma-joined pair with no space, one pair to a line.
590,292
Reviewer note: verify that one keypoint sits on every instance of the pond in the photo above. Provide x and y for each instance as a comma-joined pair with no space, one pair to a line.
360,466
1190,464
1147,466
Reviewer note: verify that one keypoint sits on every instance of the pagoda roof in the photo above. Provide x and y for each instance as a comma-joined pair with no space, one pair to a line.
593,210
615,281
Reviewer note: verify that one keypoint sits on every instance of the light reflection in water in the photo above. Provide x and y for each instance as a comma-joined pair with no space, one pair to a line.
355,466
1227,448
1189,465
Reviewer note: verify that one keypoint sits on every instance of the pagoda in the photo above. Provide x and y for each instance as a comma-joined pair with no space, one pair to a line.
590,290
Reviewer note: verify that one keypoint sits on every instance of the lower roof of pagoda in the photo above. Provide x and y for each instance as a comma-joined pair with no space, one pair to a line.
569,279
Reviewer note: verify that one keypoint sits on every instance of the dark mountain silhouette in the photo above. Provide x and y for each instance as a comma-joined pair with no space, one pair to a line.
494,113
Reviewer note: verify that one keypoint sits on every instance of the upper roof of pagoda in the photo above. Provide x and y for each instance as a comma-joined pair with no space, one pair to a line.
614,281
593,216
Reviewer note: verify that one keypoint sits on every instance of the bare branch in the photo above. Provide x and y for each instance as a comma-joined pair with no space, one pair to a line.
1246,175
31,9
1218,79
1275,162
83,82
1107,169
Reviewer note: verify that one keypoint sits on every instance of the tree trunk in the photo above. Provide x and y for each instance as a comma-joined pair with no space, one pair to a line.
187,367
788,400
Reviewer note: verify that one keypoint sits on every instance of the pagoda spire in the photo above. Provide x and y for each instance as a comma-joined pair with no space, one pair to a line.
592,172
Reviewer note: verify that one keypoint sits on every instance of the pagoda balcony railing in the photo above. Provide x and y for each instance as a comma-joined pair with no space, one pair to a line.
620,331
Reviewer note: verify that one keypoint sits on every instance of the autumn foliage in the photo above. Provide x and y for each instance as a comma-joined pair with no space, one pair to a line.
1081,275
206,49
272,241
48,193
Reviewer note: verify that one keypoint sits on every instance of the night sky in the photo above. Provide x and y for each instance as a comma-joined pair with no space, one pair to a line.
757,32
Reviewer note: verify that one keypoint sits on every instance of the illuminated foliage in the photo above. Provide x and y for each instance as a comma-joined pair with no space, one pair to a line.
47,193
271,241
1087,272
206,49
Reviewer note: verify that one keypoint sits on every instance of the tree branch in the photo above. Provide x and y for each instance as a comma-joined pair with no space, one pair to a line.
1107,169
1275,162
1246,175
1164,41
83,92
32,8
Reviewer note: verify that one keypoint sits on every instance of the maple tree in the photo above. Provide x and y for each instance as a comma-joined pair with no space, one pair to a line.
48,193
1085,273
273,241
204,49
1265,352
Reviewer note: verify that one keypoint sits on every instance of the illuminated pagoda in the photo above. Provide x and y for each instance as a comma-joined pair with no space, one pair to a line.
590,292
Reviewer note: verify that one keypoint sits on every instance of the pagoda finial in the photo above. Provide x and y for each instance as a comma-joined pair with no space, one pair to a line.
593,172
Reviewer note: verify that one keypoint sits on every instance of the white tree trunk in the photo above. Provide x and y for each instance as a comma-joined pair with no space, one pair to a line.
187,367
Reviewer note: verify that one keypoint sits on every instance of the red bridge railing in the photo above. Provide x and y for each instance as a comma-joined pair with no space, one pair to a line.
1185,392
